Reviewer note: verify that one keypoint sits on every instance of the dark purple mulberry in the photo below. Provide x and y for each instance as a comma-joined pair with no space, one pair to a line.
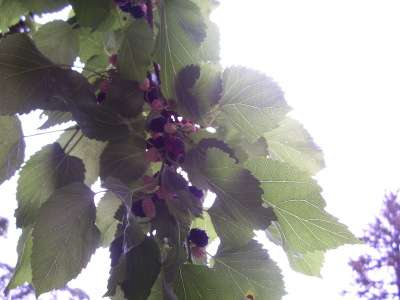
198,237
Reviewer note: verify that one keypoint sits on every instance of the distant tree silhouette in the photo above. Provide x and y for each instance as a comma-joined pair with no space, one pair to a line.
26,291
377,274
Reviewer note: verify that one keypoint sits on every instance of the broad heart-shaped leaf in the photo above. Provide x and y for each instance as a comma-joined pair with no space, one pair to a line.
10,12
23,271
124,160
198,88
143,264
91,43
64,237
309,263
210,48
297,202
182,30
134,55
44,6
105,221
291,143
46,171
55,118
88,150
58,42
124,97
237,273
91,13
29,80
239,195
12,146
251,102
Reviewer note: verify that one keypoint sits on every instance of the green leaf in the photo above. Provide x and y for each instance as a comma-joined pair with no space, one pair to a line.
249,269
64,237
124,97
291,143
198,88
88,150
55,118
105,220
30,81
124,160
10,13
236,274
91,43
91,13
44,6
210,48
46,171
100,122
182,30
239,195
143,264
297,202
251,102
12,147
134,55
231,232
58,42
309,263
23,272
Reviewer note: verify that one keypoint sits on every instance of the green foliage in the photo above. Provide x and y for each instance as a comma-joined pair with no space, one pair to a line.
64,237
12,146
134,55
150,87
182,30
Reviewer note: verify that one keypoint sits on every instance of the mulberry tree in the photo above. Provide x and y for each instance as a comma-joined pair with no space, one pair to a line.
162,125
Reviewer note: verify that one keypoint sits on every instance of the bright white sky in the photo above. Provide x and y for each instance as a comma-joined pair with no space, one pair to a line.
338,62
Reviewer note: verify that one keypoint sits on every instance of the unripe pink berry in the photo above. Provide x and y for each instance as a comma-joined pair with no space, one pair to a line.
145,85
149,208
170,128
157,105
198,252
112,60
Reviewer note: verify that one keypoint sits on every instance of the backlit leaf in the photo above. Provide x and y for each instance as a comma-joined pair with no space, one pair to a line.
251,102
182,30
239,195
88,150
134,55
91,13
64,237
124,160
46,171
12,146
105,220
291,143
58,42
23,272
297,202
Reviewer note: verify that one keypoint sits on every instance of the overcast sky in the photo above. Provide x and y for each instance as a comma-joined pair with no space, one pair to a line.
338,63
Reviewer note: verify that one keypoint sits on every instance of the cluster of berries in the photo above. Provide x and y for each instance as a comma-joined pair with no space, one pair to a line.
145,206
135,10
166,127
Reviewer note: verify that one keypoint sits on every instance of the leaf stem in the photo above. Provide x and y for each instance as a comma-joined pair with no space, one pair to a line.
75,144
70,139
41,133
